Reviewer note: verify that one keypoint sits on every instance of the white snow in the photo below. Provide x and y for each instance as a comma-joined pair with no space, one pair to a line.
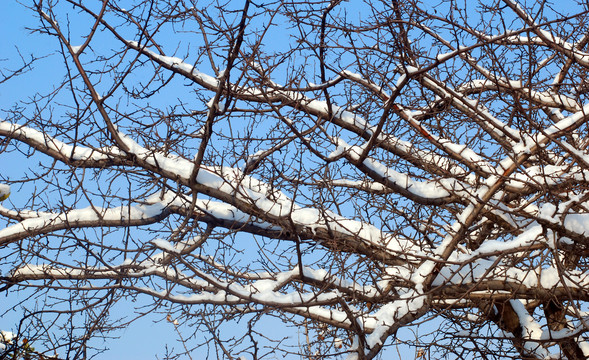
177,64
164,245
6,338
425,189
388,315
546,98
441,57
584,345
75,217
76,49
4,190
31,135
362,80
531,330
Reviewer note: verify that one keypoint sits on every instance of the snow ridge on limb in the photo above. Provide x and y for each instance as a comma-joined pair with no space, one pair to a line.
262,288
501,132
548,99
547,37
45,223
461,153
81,155
425,192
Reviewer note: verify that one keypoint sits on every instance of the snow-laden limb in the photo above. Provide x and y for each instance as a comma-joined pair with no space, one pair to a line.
259,292
393,315
549,175
492,81
254,160
548,99
485,277
531,331
426,192
543,38
174,167
264,288
243,197
431,161
177,64
57,149
146,268
531,144
379,90
461,153
580,156
332,230
528,180
80,218
564,220
313,223
549,38
22,214
425,159
364,185
492,125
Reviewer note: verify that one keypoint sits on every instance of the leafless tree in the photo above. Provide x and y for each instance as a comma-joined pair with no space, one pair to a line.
356,172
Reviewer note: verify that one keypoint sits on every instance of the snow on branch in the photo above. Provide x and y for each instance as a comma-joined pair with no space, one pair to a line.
58,149
89,217
427,192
